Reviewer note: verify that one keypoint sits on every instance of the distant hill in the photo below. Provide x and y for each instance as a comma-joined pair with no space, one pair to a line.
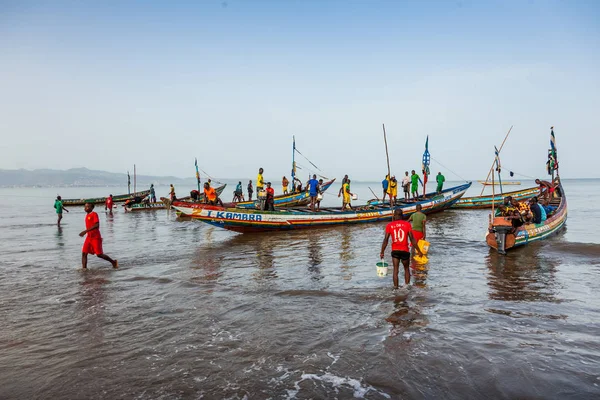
80,177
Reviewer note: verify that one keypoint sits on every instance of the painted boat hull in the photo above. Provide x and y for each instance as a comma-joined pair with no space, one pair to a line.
502,239
485,201
250,221
101,200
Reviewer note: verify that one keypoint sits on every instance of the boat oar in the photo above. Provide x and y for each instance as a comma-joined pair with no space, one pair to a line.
373,193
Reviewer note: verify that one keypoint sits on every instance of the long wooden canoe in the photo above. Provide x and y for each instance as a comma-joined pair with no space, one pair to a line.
485,201
188,199
284,200
100,200
502,236
247,221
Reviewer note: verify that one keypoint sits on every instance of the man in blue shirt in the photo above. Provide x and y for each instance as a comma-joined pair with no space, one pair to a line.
385,184
313,191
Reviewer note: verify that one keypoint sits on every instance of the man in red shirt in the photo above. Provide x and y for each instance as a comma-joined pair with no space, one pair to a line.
400,231
108,205
270,200
93,241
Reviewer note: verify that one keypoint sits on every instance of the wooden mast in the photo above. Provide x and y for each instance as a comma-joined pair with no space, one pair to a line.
492,167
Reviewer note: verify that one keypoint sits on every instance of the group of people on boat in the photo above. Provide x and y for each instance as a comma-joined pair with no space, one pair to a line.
533,211
410,186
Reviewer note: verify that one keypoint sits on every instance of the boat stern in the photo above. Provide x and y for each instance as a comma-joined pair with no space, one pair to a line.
500,235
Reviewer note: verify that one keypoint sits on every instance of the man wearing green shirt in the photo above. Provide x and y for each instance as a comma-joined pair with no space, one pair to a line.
58,205
418,224
415,179
440,181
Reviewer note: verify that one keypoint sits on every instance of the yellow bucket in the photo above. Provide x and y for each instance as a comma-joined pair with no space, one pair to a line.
421,259
423,245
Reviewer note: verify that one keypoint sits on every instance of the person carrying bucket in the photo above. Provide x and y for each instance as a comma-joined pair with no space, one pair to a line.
401,232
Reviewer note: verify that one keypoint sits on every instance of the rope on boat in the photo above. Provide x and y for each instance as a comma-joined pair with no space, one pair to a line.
211,178
443,166
524,176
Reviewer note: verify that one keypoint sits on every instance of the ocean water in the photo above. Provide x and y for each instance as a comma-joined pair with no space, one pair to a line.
198,312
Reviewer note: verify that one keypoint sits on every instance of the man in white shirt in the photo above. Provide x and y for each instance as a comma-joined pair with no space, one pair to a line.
405,185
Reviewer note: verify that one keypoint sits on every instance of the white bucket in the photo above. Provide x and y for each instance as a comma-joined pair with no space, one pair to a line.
319,197
382,268
354,197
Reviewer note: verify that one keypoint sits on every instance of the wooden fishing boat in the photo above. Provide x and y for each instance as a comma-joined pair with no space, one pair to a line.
158,205
284,200
188,199
485,201
249,220
487,183
100,200
502,236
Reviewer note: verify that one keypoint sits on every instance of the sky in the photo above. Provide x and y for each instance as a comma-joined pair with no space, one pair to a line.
106,85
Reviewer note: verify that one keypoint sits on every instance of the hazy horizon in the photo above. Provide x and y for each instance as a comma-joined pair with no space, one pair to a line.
111,84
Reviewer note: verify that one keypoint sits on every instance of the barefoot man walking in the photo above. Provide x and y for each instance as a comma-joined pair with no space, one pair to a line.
93,241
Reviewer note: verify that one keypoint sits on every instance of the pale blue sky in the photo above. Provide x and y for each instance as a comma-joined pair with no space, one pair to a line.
110,84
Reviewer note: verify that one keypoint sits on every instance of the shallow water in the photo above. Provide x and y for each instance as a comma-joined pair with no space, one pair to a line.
195,311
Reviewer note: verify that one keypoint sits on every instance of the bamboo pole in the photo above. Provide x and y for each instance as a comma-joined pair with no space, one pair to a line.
388,162
492,167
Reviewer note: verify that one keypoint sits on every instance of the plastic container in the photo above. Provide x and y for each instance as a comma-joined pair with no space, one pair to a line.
420,259
423,245
319,197
354,197
382,268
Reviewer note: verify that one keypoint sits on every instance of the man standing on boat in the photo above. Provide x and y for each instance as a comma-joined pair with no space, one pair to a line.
270,199
546,189
260,183
385,183
406,185
152,193
415,179
284,184
108,204
345,190
172,193
401,232
440,182
58,205
313,191
93,241
250,190
393,190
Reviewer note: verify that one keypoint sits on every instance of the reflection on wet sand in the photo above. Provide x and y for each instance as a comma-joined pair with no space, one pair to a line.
407,312
522,275
93,296
265,260
315,258
346,254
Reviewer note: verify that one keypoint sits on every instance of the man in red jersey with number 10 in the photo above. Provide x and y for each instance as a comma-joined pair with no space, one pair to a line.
400,231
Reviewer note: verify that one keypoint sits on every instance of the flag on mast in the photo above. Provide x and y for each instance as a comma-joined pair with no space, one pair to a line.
425,165
128,183
197,173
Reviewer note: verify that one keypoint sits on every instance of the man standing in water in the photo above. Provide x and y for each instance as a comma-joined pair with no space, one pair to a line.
440,182
400,231
108,204
93,241
418,224
58,205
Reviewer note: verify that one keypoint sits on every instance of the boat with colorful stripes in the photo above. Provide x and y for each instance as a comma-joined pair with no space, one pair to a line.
284,200
485,201
249,220
502,236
